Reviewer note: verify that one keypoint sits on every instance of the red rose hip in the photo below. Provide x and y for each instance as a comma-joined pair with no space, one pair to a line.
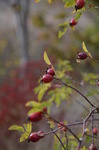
34,137
51,71
95,131
82,56
44,110
60,125
72,22
92,147
34,117
98,82
47,78
79,4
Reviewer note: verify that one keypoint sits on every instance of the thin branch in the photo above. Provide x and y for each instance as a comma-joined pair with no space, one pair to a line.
66,141
75,90
92,117
84,126
60,141
54,131
50,118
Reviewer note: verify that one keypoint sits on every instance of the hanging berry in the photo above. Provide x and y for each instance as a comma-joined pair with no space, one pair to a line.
51,71
73,22
34,137
47,78
34,117
79,4
82,56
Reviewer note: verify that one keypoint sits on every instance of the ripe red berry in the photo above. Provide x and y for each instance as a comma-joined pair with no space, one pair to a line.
34,117
51,71
60,125
44,110
34,137
47,78
73,22
92,147
98,82
41,134
95,131
79,4
82,56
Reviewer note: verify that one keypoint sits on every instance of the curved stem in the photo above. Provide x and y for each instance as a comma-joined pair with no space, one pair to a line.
75,90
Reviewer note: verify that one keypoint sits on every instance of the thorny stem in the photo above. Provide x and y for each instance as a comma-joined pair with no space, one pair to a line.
75,90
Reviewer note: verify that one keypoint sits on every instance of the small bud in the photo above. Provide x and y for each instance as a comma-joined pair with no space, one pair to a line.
60,125
41,134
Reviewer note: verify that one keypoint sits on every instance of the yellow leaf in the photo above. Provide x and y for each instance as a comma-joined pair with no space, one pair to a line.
32,103
33,110
46,59
84,148
73,28
87,131
16,127
36,1
84,47
50,1
28,127
90,55
24,136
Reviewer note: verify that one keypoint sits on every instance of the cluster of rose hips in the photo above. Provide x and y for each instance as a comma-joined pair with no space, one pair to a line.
37,116
48,77
79,5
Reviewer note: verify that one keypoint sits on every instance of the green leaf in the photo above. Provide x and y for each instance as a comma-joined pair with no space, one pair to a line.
16,127
50,1
33,110
33,104
42,92
69,3
65,24
24,136
36,1
84,47
28,127
46,59
84,148
86,50
77,16
61,33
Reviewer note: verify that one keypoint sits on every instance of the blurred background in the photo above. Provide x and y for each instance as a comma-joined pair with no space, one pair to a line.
26,30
